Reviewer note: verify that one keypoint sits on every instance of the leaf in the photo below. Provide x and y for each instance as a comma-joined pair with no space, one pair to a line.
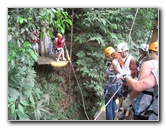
13,108
25,103
22,116
21,109
12,99
13,93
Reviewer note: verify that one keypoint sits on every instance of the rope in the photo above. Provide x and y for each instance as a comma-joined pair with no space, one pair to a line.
107,103
132,25
80,90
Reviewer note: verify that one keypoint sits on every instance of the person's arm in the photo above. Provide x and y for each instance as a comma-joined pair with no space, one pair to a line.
143,84
116,66
144,71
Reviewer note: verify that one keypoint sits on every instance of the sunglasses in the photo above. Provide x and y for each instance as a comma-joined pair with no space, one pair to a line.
150,51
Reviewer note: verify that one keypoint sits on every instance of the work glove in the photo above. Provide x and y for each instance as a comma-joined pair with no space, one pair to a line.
108,63
126,104
112,78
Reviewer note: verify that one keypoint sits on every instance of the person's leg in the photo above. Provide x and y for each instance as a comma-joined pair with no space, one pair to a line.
58,54
33,47
37,48
109,110
110,107
63,57
51,46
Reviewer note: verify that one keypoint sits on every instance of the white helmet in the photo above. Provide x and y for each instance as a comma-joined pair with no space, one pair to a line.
144,47
122,47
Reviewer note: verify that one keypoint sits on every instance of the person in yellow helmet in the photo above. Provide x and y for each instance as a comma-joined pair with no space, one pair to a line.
59,47
113,81
147,79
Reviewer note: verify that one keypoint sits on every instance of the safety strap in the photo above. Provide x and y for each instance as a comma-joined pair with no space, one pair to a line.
148,93
126,59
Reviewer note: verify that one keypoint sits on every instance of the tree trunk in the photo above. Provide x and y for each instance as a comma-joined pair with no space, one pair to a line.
45,42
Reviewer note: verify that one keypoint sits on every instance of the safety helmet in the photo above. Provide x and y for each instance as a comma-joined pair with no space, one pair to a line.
108,51
144,47
153,46
122,47
59,35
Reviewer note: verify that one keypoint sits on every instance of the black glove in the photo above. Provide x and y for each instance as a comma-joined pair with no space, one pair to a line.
108,63
124,77
112,78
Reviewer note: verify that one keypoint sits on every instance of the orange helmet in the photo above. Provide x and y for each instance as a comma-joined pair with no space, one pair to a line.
153,46
108,51
59,35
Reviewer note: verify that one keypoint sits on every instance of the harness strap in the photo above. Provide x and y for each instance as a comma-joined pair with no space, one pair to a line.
148,93
149,104
126,59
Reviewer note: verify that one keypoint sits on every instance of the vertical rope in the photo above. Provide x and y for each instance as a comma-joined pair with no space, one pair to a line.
71,53
128,39
80,91
132,24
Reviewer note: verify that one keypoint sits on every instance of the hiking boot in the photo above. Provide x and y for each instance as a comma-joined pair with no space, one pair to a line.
121,116
57,60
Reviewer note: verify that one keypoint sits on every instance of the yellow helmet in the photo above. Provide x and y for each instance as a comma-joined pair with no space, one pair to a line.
108,51
153,46
59,35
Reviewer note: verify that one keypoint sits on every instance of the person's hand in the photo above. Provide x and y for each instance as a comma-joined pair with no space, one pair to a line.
126,104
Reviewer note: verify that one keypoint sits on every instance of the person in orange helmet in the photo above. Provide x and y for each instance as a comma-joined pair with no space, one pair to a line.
113,81
148,79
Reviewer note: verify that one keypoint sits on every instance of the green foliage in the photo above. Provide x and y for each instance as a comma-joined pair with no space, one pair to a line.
94,29
28,100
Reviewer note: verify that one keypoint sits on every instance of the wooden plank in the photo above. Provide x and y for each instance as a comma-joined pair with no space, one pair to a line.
45,60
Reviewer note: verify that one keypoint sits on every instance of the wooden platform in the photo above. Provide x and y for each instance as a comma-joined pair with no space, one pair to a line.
45,60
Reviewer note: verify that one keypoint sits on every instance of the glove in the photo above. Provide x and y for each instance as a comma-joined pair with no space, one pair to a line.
108,63
127,103
112,78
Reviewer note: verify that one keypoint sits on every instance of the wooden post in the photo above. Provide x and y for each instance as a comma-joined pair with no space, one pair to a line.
155,31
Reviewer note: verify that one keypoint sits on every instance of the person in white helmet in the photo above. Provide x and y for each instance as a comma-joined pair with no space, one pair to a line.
129,68
148,79
143,52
